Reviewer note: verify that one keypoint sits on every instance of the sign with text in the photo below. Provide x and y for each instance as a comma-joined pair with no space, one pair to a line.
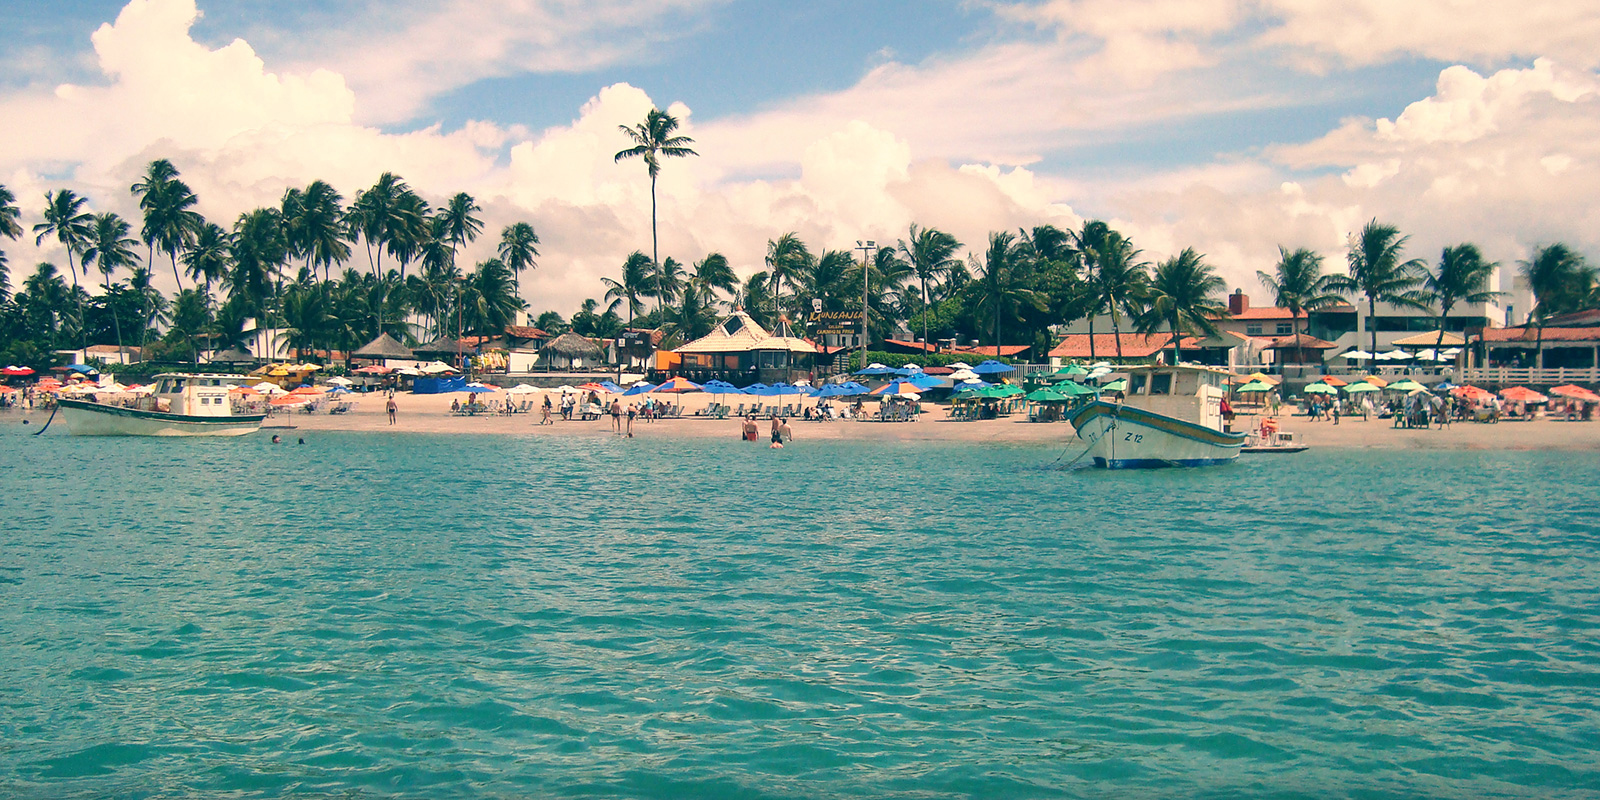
836,323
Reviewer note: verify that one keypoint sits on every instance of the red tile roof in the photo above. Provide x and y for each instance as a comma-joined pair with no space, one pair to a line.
1300,341
1531,334
1134,345
1006,350
526,332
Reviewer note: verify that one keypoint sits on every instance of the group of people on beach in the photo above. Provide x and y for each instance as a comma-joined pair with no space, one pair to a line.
781,432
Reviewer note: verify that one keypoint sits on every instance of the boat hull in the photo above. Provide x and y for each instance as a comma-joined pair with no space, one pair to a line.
84,418
1122,437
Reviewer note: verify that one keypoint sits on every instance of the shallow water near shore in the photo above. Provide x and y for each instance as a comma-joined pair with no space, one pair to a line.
375,615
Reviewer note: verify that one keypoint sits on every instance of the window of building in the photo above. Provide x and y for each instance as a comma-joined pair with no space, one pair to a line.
1285,328
1252,329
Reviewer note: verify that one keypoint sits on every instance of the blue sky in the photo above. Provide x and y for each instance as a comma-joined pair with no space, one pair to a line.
1230,125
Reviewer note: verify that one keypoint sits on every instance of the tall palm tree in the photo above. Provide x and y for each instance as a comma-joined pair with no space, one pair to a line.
318,228
1005,289
1182,294
1376,271
635,284
206,260
67,222
1120,281
1297,283
1550,274
408,229
1462,277
1088,243
169,216
670,280
375,214
653,140
519,247
488,301
111,249
786,257
932,255
258,250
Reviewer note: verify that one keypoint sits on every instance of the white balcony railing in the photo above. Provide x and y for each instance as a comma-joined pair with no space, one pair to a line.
1530,376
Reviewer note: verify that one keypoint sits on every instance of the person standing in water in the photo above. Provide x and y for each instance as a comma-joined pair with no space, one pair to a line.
391,408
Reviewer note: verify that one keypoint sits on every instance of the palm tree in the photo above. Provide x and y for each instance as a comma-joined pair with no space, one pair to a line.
65,219
318,228
408,229
1377,272
206,260
374,214
653,141
634,284
1005,289
111,248
670,280
1182,294
1462,277
9,214
488,301
169,218
519,246
1120,281
786,256
258,250
1088,243
1299,285
931,254
1550,274
714,272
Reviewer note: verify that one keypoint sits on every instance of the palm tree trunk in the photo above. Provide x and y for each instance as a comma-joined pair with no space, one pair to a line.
173,254
925,315
1116,329
655,245
115,324
1091,338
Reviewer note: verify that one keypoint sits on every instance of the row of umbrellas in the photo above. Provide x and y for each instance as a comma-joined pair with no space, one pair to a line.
1400,355
989,367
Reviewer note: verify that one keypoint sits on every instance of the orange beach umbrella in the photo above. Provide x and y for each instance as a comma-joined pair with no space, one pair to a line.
1572,392
1522,394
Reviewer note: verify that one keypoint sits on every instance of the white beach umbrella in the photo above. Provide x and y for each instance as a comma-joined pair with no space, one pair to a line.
341,381
565,388
963,375
876,365
959,365
269,389
1356,354
523,388
436,368
1451,352
1394,355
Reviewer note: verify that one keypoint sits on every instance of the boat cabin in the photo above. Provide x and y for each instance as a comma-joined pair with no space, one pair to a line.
202,395
1189,392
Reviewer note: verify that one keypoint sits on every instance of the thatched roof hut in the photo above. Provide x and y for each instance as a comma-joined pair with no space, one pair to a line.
383,347
571,345
441,347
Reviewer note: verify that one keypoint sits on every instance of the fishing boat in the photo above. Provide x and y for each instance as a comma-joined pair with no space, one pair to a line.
1266,438
181,404
1169,416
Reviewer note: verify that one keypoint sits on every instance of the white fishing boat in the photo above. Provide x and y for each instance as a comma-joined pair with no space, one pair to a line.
1167,417
180,404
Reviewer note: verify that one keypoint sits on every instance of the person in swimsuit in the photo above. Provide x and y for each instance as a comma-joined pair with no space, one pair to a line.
616,417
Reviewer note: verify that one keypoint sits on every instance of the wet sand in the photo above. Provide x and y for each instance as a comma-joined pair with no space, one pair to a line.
431,414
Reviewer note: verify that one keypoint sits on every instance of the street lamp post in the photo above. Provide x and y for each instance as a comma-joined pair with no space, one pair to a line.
867,248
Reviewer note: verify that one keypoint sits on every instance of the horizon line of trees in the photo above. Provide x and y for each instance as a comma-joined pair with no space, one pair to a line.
287,267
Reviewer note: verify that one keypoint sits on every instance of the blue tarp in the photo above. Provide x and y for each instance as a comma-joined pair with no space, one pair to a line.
439,385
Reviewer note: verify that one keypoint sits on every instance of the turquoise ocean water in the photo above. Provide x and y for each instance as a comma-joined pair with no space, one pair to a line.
420,616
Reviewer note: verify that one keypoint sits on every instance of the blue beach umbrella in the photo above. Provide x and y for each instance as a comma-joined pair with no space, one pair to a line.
876,369
924,381
993,367
478,388
780,389
756,389
719,386
639,388
611,388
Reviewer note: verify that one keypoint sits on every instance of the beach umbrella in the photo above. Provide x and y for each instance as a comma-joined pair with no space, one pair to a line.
15,371
374,370
1320,388
993,367
1444,386
1473,393
1394,355
523,388
1406,385
270,389
908,369
477,388
341,381
875,369
896,387
1356,354
1075,389
1047,396
591,386
610,387
1522,394
924,381
679,384
719,386
780,388
339,390
1070,371
963,375
1572,392
757,389
1099,372
837,390
1119,385
1359,387
1255,386
959,365
290,401
1332,381
1375,381
641,387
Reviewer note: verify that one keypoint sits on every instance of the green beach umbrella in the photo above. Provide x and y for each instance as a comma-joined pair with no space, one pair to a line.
1073,389
1047,396
1360,387
1070,371
1255,386
1320,388
1406,385
1119,385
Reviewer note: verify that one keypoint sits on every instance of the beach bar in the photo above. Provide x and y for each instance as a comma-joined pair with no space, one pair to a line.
741,352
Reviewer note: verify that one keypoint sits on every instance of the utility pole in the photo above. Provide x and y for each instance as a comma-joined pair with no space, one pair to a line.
867,248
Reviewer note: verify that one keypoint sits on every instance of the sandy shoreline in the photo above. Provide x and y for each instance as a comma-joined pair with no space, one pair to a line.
431,414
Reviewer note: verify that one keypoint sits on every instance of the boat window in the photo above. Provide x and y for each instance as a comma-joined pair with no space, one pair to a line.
1136,383
164,387
1186,383
1161,383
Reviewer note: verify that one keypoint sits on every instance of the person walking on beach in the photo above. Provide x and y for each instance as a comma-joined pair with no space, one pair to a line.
391,408
544,412
616,417
632,412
